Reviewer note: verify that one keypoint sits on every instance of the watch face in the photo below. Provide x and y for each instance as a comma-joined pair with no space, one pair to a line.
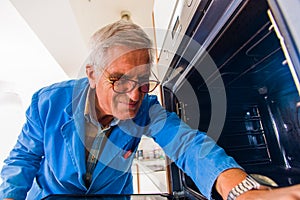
264,180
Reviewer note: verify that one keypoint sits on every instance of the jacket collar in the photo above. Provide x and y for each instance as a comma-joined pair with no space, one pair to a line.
73,131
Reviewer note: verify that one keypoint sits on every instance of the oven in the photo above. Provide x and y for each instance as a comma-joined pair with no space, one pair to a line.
235,76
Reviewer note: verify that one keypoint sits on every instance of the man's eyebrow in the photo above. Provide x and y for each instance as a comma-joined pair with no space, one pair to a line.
117,75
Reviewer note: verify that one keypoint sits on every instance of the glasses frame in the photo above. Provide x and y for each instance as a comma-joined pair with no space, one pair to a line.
112,82
157,82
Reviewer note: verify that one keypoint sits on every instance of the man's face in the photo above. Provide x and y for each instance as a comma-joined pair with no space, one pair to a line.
131,65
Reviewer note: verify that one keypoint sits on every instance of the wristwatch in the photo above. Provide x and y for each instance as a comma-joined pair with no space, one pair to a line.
247,184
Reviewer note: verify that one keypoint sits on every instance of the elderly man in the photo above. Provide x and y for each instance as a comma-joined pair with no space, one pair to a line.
80,136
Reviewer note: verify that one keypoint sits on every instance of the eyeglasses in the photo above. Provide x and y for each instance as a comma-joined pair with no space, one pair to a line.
124,85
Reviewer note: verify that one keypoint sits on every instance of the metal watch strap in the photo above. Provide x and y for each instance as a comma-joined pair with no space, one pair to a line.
247,184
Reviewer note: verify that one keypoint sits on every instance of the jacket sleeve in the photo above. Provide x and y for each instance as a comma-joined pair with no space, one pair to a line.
192,151
24,160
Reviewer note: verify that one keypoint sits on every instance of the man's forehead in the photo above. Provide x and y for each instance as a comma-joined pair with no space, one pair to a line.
120,52
127,62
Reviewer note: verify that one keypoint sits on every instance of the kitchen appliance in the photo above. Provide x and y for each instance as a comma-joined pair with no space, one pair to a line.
235,75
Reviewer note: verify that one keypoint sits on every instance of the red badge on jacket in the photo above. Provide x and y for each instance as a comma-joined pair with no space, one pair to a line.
127,154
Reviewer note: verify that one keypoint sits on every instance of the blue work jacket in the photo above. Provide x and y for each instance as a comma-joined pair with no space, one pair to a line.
49,156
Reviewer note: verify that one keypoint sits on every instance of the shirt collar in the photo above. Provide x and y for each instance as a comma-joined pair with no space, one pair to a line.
90,111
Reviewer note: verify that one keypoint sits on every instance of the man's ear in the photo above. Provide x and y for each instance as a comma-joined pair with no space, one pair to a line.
91,75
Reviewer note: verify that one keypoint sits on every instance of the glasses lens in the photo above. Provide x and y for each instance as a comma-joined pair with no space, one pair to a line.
145,87
148,86
124,85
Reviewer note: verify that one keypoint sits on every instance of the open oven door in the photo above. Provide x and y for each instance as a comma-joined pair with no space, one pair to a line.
283,15
255,50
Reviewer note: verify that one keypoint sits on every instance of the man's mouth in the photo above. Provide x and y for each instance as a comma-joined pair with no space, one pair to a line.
131,105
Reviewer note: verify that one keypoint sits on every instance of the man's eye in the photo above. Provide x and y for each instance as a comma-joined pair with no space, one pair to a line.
114,78
123,81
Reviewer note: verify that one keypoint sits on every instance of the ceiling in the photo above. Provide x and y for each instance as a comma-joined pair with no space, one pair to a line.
64,26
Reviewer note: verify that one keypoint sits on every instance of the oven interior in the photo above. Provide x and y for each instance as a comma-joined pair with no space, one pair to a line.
262,127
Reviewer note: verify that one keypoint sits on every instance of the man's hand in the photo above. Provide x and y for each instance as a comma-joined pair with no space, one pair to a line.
232,177
284,193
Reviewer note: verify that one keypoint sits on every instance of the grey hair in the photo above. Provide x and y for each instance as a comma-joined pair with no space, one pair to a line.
121,33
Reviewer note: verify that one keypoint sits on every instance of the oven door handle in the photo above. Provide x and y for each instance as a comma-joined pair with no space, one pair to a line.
297,114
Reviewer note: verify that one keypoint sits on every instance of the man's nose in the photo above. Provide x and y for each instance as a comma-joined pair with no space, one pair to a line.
135,94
